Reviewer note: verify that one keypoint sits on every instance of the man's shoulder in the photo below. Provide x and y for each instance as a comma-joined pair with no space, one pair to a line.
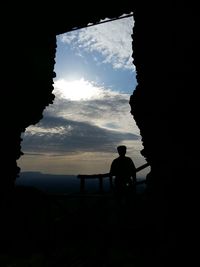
115,160
130,161
128,158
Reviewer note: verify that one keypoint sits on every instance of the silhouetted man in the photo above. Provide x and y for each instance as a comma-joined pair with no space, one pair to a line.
124,171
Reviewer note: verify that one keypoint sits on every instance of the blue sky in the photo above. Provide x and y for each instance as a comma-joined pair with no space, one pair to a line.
90,115
74,62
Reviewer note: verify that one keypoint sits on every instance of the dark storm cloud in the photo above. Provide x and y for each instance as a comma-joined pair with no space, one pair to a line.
59,135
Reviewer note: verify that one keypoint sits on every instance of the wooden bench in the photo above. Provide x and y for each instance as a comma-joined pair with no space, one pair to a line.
82,178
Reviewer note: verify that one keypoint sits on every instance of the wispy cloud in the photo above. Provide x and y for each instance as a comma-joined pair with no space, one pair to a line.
68,38
112,41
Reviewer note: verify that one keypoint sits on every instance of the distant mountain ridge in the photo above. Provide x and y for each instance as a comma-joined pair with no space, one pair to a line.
50,183
41,174
56,183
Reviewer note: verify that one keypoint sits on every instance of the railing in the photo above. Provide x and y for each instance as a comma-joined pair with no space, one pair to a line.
83,177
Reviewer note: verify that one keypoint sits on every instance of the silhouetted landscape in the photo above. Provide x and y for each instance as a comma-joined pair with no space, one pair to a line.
49,183
57,225
62,184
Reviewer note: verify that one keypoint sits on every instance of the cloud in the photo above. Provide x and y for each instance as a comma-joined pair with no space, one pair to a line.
77,90
107,109
95,125
74,136
68,38
112,40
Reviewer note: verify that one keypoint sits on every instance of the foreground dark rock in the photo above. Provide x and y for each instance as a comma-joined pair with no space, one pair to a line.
89,229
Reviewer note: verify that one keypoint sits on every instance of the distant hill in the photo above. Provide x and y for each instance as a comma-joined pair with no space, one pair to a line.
49,183
54,183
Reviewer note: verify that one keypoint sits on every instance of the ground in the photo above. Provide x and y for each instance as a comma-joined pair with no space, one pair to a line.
88,229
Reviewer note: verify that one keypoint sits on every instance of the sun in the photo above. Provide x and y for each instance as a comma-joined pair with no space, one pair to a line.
77,90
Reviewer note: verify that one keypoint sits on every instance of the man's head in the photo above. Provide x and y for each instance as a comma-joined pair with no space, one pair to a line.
121,150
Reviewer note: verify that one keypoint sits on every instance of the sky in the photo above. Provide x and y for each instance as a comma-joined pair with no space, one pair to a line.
90,115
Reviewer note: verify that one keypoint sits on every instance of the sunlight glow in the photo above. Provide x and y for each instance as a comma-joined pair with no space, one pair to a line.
77,90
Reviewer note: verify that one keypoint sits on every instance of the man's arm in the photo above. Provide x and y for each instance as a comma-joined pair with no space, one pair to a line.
112,171
111,174
133,170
